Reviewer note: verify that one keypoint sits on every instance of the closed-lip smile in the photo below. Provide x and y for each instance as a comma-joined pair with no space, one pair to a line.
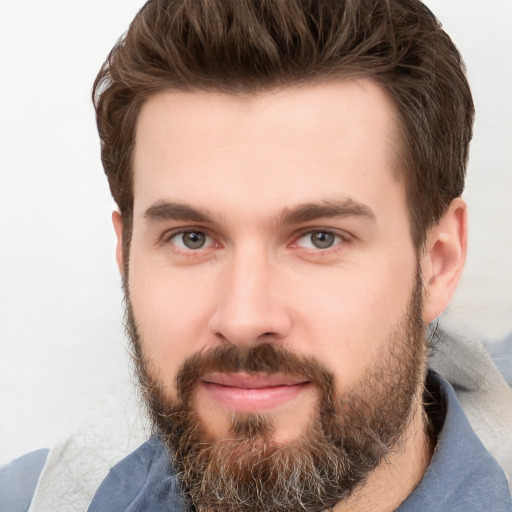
243,392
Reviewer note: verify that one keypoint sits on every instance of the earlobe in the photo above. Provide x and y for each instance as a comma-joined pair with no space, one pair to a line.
117,221
444,259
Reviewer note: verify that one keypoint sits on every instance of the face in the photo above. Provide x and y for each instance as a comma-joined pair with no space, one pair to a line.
271,261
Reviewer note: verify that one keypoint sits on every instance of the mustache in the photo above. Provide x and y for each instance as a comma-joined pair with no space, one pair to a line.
264,358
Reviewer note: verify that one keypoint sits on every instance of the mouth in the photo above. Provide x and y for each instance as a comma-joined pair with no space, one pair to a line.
251,393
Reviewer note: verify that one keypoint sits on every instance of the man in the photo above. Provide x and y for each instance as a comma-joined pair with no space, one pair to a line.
288,176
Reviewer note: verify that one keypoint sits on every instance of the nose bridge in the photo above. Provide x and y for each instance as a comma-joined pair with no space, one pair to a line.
249,308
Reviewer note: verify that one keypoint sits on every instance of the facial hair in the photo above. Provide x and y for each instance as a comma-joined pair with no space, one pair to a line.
351,432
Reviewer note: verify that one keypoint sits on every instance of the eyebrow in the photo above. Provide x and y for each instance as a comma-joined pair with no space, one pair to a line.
306,212
164,210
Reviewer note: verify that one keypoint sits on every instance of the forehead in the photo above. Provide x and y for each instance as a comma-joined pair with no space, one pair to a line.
287,145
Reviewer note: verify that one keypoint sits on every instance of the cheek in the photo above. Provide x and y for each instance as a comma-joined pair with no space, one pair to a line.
171,312
350,319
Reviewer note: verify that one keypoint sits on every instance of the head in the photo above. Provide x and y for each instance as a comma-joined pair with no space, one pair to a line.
288,177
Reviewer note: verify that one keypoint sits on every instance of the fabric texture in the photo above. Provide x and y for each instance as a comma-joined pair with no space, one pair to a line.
462,475
461,358
18,481
76,467
143,481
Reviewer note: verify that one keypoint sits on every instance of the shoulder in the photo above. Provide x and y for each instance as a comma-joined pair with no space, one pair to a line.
18,480
465,361
68,478
144,480
462,475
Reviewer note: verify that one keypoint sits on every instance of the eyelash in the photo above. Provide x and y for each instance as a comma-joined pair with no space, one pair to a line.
341,239
169,235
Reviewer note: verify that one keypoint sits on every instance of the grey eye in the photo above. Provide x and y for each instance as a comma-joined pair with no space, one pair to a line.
319,239
191,239
322,239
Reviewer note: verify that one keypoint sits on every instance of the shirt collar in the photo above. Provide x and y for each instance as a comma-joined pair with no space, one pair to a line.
462,475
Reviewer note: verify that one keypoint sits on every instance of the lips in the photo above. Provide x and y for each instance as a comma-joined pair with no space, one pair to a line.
252,381
252,392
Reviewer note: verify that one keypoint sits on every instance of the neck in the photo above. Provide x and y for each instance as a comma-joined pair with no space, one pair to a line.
397,476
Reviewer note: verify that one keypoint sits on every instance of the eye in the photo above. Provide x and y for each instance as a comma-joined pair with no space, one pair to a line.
190,240
320,239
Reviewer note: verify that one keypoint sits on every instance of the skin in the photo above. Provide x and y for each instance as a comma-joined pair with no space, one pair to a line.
244,163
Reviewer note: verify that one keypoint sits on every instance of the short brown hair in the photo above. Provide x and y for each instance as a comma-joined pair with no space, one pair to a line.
244,46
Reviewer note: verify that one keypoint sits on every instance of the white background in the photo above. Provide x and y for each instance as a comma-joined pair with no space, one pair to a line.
62,355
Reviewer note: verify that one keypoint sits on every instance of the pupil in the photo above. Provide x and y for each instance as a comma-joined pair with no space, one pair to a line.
322,240
193,240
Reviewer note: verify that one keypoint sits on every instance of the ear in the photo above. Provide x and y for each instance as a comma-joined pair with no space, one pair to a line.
117,221
443,259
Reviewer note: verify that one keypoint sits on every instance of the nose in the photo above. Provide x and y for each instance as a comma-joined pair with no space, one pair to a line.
251,305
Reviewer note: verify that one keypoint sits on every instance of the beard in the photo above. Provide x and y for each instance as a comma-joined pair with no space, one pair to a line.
350,433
